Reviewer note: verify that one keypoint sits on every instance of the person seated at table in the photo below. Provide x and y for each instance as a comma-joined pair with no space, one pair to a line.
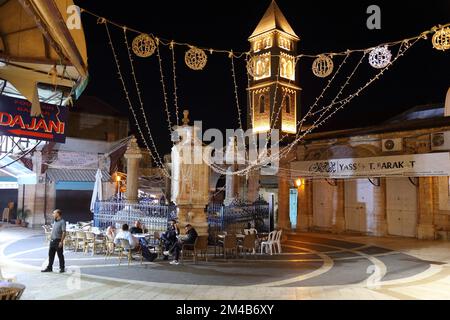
111,232
170,236
137,228
126,234
189,240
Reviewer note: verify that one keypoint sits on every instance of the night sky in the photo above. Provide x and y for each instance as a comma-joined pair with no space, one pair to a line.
422,76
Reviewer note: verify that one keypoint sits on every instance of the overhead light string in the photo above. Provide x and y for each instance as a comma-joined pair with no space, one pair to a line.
157,159
442,29
175,88
116,59
236,95
163,86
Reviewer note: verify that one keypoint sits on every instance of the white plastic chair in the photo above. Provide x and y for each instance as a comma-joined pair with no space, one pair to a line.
270,243
277,240
8,278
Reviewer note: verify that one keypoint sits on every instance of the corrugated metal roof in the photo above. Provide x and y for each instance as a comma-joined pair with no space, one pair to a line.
75,175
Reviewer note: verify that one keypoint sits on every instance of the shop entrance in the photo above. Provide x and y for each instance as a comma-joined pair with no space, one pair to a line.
401,207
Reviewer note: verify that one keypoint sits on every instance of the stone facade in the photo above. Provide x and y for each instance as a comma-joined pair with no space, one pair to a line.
433,199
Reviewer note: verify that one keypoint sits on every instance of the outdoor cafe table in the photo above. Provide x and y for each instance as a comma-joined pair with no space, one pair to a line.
142,235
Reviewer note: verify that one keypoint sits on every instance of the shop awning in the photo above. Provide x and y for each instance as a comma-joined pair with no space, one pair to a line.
75,175
16,169
38,52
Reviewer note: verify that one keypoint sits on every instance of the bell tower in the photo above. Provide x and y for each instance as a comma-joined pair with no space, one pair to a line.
273,82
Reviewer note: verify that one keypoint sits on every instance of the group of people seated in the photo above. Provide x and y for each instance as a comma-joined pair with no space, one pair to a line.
171,239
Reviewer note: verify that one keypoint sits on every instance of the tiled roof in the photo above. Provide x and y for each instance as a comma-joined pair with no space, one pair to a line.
75,175
273,19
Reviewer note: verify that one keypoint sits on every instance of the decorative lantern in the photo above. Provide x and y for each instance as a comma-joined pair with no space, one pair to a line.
195,58
380,57
143,45
323,66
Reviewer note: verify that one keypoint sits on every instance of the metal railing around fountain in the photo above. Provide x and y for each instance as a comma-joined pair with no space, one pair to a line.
239,215
154,216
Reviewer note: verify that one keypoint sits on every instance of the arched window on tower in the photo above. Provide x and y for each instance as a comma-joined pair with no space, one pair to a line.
260,68
283,68
287,104
289,73
262,104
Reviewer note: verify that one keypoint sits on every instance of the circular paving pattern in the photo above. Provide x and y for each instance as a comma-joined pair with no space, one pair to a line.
306,261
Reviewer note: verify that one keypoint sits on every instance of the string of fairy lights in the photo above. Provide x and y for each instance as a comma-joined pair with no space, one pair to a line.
145,45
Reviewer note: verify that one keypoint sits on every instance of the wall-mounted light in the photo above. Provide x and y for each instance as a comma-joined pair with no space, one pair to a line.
118,178
298,182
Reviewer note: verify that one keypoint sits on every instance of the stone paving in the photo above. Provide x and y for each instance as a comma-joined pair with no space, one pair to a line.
312,266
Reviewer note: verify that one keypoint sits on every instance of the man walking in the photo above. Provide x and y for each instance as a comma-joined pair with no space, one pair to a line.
56,242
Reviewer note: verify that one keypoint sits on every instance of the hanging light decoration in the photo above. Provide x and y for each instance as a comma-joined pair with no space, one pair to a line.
256,67
441,39
143,45
380,57
195,58
323,66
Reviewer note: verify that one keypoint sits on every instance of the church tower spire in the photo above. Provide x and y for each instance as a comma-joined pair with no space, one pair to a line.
274,83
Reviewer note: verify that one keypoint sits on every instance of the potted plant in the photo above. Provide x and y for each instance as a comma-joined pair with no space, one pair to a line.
22,216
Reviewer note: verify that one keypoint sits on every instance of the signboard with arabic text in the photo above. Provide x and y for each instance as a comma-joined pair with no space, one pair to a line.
413,165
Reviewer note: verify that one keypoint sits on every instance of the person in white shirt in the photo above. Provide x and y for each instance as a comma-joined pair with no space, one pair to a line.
126,234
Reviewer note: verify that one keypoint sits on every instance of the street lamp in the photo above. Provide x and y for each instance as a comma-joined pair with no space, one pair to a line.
118,186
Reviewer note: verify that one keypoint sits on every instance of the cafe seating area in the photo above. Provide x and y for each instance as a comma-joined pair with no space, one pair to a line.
83,238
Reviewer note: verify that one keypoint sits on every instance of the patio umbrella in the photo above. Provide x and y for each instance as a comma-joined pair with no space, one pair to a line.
97,192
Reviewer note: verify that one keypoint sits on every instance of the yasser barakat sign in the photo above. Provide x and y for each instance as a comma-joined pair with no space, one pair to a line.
412,165
15,120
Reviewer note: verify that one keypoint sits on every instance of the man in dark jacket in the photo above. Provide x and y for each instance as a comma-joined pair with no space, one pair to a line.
170,236
188,242
137,228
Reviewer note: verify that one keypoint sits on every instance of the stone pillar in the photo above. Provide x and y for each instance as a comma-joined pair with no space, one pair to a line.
133,156
231,186
339,207
253,185
304,206
426,229
283,202
190,178
379,210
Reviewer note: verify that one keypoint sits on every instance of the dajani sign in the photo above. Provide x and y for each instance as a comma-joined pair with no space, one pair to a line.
414,165
15,120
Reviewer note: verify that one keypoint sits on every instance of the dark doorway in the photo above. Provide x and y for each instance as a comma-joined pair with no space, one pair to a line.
7,195
75,205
